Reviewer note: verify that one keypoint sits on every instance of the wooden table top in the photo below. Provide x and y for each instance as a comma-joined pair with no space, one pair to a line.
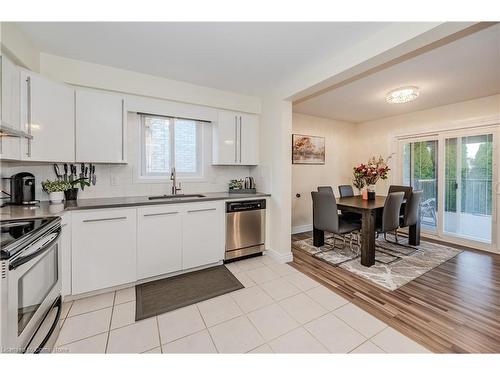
361,204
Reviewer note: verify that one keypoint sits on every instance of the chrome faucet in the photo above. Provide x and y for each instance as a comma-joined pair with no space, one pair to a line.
173,178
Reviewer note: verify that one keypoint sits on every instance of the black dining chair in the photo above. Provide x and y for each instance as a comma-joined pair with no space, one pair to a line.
348,216
390,216
326,189
411,211
326,217
407,190
347,191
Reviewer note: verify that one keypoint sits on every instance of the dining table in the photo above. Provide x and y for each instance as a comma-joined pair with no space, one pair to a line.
369,209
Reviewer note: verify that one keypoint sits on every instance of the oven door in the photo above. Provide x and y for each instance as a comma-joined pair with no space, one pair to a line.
34,286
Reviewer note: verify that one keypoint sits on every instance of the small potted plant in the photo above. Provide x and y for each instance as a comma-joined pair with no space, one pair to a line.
56,190
71,193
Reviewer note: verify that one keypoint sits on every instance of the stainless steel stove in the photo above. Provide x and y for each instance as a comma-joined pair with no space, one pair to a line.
30,284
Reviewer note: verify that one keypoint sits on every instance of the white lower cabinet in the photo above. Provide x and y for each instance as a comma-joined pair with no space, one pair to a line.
66,255
104,249
202,234
111,247
159,240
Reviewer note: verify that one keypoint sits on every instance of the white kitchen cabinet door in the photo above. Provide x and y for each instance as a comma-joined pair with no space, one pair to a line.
235,139
10,147
203,229
66,255
225,137
103,249
47,112
249,139
100,127
159,240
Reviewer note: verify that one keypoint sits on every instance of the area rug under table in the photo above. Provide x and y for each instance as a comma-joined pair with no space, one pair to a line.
160,296
395,264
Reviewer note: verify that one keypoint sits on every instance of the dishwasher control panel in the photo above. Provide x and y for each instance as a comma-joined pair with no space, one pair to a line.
259,204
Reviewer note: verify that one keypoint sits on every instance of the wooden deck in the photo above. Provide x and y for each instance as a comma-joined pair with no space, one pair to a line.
454,308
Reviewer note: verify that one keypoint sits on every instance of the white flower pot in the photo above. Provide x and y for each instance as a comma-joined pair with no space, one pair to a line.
56,197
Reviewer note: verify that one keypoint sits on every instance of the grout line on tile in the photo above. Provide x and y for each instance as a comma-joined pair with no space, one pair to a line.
67,312
85,338
86,312
110,321
354,328
203,319
159,335
377,345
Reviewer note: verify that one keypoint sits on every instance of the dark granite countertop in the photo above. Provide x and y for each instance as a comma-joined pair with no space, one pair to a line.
47,209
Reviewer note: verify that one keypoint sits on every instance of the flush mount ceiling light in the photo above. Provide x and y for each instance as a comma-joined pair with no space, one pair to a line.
402,95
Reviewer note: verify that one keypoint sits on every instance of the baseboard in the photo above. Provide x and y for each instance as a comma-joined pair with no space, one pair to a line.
302,228
279,257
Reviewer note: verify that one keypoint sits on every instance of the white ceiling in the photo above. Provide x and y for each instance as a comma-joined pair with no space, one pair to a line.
248,58
466,69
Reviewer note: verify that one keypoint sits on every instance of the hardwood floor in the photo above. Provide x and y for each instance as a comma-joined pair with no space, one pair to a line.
454,308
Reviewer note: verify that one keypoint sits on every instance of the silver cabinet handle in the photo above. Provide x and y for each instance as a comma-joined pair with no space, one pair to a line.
240,139
202,209
235,139
28,113
105,219
161,214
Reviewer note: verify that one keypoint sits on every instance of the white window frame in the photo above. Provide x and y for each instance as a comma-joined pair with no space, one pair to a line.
462,128
198,176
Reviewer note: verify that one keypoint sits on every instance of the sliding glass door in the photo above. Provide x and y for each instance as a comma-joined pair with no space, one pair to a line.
457,172
469,187
420,170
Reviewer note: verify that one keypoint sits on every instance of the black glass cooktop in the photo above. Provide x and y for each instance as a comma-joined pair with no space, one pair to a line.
18,230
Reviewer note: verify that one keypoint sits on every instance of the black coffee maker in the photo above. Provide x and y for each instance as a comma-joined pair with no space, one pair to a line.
22,189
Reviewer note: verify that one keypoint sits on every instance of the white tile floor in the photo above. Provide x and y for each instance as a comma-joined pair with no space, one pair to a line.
280,310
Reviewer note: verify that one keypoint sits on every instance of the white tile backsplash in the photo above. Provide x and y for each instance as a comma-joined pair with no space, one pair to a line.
120,180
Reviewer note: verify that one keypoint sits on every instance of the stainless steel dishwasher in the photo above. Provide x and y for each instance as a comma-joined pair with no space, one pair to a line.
245,228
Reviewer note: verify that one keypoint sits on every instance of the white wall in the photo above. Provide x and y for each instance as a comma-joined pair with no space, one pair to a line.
122,180
108,78
377,137
337,170
274,173
18,47
349,144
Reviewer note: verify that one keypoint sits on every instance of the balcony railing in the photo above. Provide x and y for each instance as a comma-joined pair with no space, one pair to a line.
476,194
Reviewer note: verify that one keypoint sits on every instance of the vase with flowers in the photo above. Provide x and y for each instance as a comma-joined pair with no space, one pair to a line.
367,175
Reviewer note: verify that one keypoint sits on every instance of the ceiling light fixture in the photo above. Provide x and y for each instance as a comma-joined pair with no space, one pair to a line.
402,95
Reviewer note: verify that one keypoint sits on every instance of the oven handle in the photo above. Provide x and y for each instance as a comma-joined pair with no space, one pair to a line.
20,261
53,327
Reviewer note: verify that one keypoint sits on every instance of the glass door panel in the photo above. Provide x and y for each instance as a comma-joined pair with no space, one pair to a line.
469,187
420,171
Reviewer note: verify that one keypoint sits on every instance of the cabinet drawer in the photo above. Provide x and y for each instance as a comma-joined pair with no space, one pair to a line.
104,249
202,234
159,241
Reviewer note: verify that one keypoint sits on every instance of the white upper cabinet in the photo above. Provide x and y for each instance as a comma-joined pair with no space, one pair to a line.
48,114
235,139
249,136
10,109
100,127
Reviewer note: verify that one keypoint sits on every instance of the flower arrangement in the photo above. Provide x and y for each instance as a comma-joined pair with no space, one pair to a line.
369,173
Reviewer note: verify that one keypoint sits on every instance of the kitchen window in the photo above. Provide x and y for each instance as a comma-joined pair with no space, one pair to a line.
169,141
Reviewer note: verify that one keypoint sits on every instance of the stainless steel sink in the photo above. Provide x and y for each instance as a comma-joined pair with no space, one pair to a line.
177,196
